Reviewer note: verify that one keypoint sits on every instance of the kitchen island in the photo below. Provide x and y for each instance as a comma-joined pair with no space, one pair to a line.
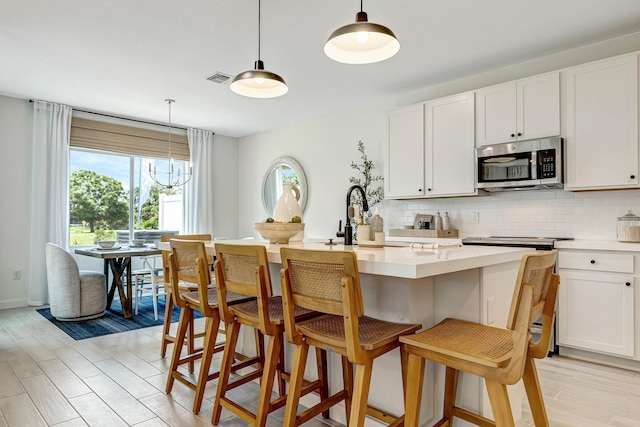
421,284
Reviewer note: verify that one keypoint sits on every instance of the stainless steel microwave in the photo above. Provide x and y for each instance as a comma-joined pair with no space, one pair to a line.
524,165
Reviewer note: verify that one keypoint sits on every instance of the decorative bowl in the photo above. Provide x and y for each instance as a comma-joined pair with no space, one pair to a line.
278,232
106,244
137,242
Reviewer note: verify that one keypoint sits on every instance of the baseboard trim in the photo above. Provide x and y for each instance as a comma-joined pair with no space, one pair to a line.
16,303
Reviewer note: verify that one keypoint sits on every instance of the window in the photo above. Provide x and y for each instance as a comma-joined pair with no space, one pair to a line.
111,193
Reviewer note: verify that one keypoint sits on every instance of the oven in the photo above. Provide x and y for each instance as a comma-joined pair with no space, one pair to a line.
537,243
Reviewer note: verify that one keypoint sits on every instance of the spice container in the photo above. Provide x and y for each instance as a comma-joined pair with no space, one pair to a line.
628,229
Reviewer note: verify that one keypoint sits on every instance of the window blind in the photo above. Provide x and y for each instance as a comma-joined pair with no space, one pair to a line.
127,140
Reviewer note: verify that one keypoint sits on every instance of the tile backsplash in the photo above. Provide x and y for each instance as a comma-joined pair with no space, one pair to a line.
553,213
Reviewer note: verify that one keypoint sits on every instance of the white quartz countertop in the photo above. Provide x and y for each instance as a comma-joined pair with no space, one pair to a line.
411,262
599,245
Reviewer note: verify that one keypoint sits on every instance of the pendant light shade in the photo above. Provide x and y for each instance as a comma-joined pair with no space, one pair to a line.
259,83
362,42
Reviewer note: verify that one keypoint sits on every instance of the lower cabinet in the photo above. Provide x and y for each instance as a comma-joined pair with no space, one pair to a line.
597,302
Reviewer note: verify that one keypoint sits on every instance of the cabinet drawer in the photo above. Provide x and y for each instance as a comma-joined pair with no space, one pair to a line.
595,261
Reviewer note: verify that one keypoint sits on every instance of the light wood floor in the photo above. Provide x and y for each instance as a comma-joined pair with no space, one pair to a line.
48,379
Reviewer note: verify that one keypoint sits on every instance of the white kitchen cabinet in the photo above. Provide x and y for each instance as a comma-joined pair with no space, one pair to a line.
449,146
404,166
602,124
519,110
597,302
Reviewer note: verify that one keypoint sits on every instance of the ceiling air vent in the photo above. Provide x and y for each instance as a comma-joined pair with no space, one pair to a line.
219,78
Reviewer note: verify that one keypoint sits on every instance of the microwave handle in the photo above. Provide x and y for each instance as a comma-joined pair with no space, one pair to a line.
534,164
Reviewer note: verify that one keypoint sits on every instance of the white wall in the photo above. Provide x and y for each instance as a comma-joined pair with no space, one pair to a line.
16,119
326,146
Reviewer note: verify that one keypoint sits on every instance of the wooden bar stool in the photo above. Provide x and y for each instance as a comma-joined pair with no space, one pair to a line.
188,263
501,356
244,270
167,338
329,282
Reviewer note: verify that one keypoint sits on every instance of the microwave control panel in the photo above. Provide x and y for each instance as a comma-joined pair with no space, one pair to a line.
547,163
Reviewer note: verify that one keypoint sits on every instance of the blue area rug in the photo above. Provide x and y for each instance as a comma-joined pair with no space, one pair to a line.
113,321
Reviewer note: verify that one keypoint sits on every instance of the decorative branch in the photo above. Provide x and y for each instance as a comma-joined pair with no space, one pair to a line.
371,183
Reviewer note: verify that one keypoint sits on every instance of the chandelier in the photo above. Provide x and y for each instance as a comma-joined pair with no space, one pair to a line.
170,178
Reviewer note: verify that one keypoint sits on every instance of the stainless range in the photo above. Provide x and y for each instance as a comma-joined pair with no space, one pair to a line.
537,243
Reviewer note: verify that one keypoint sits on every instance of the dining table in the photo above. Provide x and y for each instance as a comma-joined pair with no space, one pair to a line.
118,261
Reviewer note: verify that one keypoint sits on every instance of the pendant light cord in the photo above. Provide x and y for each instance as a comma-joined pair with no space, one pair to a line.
259,9
361,1
169,101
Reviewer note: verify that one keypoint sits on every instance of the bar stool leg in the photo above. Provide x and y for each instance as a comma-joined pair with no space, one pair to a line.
534,394
233,331
168,311
500,404
186,313
295,385
360,393
450,390
413,393
268,377
321,359
347,375
282,385
212,325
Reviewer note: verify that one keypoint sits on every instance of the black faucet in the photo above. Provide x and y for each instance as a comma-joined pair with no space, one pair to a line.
348,229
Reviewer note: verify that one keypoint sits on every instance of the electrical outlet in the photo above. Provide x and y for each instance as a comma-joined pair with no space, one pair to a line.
474,217
17,274
490,313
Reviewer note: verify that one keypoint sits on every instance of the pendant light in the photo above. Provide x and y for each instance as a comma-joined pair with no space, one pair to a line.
362,42
259,83
171,178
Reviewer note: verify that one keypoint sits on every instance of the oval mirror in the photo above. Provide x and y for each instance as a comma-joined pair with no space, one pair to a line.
281,170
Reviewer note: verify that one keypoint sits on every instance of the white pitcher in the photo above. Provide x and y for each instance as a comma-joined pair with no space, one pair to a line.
287,207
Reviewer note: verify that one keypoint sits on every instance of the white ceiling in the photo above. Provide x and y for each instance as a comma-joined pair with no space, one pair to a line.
125,57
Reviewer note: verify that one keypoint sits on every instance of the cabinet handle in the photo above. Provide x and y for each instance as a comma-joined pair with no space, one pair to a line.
513,135
428,189
632,177
419,190
519,134
628,283
593,261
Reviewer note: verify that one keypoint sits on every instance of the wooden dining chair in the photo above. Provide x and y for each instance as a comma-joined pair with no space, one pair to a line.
244,270
329,282
167,337
188,262
501,356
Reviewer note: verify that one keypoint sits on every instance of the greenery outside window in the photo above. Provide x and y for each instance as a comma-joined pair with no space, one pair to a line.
102,201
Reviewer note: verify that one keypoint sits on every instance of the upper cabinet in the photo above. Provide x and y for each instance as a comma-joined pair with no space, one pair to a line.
404,166
602,124
520,110
430,149
449,148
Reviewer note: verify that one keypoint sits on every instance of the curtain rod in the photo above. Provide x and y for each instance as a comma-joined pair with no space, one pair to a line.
124,118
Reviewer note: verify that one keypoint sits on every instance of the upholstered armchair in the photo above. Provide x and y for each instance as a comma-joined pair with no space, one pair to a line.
74,294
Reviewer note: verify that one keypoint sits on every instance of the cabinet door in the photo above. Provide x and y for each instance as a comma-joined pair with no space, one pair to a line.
496,114
596,311
538,107
449,150
602,125
404,168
